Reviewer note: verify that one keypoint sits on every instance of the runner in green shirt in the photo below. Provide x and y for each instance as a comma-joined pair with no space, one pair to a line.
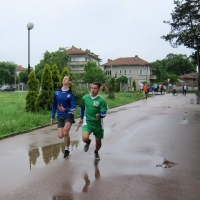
93,110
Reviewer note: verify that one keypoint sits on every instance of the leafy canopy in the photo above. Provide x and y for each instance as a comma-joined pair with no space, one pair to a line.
93,73
59,57
173,66
185,25
7,72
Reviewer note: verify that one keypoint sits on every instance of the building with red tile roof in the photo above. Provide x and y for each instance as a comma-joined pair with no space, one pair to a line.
79,57
20,69
190,79
191,76
134,68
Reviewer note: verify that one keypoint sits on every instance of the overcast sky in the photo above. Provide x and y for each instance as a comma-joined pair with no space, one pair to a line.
108,28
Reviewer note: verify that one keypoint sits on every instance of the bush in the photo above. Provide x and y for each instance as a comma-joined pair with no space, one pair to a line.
31,98
56,77
79,94
46,94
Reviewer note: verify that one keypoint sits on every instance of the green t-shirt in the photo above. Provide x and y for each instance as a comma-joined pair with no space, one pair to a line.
93,105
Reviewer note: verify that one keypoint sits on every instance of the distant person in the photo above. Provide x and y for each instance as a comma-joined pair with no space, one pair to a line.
174,89
141,87
153,90
164,88
185,87
93,110
64,104
145,90
156,87
161,88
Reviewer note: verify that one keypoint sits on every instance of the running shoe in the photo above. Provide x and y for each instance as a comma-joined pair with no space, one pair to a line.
66,154
86,147
96,155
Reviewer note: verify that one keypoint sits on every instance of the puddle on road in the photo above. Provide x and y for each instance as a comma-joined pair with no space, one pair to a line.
192,101
197,115
165,164
40,157
184,121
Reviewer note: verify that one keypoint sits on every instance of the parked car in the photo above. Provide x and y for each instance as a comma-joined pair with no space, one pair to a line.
7,88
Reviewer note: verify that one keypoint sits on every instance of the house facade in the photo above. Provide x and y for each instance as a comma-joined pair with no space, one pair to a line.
79,57
134,68
190,79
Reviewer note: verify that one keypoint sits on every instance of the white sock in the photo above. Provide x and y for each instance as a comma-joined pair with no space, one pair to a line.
67,148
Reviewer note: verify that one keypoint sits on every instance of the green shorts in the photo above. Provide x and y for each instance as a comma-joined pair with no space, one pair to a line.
98,133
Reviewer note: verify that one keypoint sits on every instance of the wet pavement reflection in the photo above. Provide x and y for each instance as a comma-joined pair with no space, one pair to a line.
49,152
166,164
150,151
86,178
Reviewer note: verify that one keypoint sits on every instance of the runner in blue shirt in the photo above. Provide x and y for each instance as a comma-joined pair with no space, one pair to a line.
64,104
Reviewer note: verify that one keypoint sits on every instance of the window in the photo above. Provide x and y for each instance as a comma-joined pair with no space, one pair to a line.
120,71
129,71
143,72
108,72
125,71
78,59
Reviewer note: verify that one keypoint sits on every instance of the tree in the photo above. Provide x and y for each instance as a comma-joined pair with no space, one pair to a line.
31,98
7,72
179,64
46,94
93,73
173,64
121,79
159,70
59,57
23,76
110,83
185,26
173,77
134,85
65,72
56,77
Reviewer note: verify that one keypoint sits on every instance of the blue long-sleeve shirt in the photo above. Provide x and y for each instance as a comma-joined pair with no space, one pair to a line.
66,98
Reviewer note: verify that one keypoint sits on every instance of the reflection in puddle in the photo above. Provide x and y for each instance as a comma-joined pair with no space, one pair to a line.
166,164
49,153
86,178
185,120
87,183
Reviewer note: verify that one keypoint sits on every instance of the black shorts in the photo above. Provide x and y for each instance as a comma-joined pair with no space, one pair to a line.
63,120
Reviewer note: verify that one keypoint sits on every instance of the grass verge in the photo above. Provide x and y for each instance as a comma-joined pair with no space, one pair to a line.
15,120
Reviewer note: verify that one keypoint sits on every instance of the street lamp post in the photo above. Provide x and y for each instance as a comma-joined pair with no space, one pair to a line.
30,26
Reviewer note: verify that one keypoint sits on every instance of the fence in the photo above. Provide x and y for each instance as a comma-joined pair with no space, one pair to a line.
21,87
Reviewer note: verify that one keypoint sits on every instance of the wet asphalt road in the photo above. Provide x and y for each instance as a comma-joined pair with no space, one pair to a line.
151,150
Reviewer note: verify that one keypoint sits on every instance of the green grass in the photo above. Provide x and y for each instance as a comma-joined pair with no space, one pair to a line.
14,119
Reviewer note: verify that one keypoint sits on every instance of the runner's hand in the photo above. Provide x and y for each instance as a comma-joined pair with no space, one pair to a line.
52,121
97,115
80,121
61,108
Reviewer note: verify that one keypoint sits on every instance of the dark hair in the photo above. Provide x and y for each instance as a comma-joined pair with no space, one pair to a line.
70,79
98,84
